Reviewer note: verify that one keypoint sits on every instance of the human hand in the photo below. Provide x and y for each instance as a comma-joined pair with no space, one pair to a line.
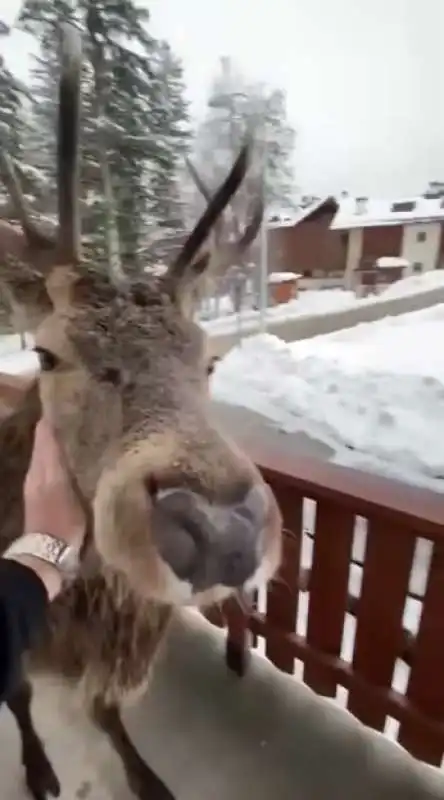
50,503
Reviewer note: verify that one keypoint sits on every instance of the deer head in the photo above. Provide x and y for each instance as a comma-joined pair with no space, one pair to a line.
178,509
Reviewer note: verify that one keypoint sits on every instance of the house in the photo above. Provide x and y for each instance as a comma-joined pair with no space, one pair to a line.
410,229
303,242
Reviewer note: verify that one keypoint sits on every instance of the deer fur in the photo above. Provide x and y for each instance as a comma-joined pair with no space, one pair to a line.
123,382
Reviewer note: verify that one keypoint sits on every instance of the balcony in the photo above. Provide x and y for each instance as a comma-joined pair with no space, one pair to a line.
355,618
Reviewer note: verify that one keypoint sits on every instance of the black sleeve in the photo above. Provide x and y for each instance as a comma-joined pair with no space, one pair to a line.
23,607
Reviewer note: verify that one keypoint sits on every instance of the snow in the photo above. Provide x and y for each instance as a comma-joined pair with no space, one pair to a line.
282,277
414,284
307,303
391,262
379,212
374,393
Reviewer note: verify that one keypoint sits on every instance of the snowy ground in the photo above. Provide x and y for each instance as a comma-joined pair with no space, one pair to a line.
375,393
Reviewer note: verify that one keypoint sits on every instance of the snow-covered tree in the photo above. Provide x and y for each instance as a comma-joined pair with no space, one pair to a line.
236,105
134,123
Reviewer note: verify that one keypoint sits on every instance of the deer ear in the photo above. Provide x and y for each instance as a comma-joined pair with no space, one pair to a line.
188,292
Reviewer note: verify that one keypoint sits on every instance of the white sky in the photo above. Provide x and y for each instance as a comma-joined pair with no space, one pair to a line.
364,79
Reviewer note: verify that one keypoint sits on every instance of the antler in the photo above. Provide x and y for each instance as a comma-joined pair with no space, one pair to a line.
68,145
230,252
210,216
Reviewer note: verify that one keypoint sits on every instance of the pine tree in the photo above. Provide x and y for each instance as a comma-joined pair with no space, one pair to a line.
14,129
134,123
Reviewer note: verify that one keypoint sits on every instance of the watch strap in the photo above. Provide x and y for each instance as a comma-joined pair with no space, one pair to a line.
47,548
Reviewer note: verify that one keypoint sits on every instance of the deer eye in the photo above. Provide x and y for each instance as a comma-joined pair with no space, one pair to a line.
48,360
211,366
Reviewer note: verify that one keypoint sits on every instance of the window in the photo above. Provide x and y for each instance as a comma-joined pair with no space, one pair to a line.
421,236
404,205
417,268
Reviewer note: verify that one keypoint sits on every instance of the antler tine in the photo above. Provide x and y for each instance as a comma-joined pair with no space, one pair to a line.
12,183
68,144
206,194
201,185
232,250
213,212
253,227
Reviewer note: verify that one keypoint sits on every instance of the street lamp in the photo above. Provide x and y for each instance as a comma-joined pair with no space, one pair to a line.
263,277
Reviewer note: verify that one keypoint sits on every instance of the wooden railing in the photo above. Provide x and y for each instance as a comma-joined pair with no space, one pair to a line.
374,625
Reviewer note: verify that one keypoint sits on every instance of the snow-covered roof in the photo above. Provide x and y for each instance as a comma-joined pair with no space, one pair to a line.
388,262
282,277
294,217
365,212
282,218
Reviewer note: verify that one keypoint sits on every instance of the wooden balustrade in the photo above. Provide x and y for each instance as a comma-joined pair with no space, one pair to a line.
389,518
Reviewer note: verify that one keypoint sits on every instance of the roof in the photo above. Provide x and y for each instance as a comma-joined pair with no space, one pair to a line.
391,262
290,218
282,277
376,212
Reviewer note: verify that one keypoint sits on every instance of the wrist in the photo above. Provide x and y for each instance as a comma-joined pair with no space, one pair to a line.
52,558
50,576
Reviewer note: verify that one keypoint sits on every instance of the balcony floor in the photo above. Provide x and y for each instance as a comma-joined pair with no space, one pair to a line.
212,736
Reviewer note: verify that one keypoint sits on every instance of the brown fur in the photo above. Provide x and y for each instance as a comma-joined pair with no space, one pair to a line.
127,396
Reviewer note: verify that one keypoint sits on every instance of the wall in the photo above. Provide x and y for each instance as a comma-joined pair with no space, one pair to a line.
383,240
425,253
354,253
305,327
310,245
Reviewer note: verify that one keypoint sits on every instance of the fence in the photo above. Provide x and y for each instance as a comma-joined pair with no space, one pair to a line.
359,600
308,325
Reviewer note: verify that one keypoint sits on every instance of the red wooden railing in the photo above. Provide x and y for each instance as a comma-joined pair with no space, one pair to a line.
393,518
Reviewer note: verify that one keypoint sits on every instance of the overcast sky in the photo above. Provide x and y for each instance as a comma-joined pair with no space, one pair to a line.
364,79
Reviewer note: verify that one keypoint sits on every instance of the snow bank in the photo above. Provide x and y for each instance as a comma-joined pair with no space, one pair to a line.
307,303
414,284
375,393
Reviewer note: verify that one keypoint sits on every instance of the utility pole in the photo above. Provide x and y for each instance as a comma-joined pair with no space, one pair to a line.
263,277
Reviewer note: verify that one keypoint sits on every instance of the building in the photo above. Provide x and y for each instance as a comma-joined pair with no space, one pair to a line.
410,229
303,242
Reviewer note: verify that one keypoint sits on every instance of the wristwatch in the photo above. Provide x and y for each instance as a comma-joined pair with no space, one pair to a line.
47,548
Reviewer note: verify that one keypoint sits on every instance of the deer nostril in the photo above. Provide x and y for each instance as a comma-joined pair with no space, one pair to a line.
209,544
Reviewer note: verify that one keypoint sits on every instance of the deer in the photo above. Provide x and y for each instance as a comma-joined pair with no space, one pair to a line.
177,515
